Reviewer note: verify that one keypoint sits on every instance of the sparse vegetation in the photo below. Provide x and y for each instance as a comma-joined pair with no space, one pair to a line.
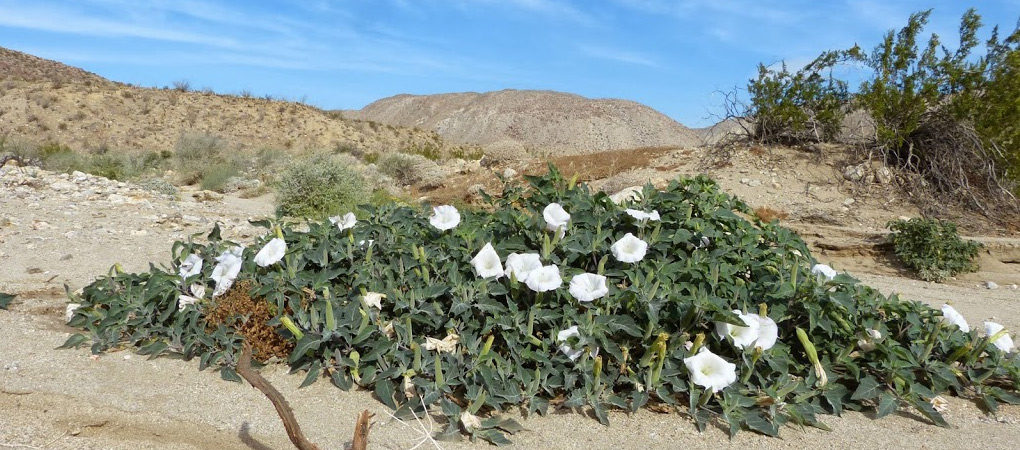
411,169
319,187
933,248
947,115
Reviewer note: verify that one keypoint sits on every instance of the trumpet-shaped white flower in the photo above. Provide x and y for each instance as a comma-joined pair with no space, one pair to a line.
374,299
272,253
824,270
629,249
545,278
225,272
642,216
69,311
741,336
444,217
556,218
183,301
586,287
768,332
447,345
710,371
192,265
1004,343
486,262
955,318
344,222
198,290
567,348
235,252
520,266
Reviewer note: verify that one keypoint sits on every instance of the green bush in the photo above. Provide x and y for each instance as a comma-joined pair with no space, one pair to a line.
319,187
411,169
422,316
217,176
933,248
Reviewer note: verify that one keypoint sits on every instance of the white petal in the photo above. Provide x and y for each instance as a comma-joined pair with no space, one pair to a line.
192,265
344,222
1004,343
444,217
185,300
556,218
521,265
544,279
225,272
710,371
272,253
740,336
566,348
955,318
824,270
487,263
69,311
447,345
586,287
768,332
629,249
198,290
374,299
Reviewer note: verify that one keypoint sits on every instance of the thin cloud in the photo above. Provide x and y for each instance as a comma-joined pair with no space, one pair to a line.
617,55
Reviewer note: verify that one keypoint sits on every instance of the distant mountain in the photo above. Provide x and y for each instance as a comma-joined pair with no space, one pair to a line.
540,122
44,101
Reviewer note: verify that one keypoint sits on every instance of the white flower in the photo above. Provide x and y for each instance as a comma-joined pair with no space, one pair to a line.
741,336
824,270
198,290
520,266
955,318
272,253
486,262
768,332
235,251
568,349
69,311
364,242
470,422
642,216
184,300
225,272
374,299
192,265
939,404
586,287
448,344
344,222
556,218
1004,343
710,371
629,249
444,217
544,279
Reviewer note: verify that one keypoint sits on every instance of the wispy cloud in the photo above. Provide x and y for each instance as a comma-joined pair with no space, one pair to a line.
548,8
617,55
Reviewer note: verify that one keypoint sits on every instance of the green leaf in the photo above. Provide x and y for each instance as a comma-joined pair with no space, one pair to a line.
306,344
5,300
510,426
74,340
229,374
866,390
925,407
493,436
314,371
384,390
887,404
756,422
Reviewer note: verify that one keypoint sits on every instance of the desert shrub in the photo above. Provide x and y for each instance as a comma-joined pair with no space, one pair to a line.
412,169
467,153
318,187
394,304
428,150
933,248
198,155
159,186
217,176
794,108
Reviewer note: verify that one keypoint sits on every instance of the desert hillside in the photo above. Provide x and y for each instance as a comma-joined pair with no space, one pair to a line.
538,122
44,101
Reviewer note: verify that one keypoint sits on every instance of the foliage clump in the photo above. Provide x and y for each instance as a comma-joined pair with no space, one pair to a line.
394,301
933,248
319,187
950,116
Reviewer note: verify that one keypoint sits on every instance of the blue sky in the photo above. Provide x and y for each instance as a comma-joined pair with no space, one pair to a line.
673,55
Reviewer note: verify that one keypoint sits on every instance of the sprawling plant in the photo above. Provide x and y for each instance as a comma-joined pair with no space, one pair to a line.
556,297
933,248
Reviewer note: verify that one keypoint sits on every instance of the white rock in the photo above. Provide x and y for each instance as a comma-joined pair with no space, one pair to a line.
116,199
62,185
991,285
509,173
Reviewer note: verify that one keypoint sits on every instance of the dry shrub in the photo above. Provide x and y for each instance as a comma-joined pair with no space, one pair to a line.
597,166
767,214
250,317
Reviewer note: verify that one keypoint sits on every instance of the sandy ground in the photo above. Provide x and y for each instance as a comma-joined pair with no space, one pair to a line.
68,399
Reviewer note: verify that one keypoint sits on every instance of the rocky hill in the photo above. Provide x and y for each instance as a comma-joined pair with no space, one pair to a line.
541,123
43,101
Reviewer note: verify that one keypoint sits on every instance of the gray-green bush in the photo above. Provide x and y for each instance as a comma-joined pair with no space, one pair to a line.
319,187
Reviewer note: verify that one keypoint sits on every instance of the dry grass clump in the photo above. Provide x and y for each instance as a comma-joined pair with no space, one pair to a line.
250,317
597,166
767,214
